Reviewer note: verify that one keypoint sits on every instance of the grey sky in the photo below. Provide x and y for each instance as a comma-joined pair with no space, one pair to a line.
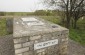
20,5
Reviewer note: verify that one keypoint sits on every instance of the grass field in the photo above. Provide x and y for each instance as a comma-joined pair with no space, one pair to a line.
75,34
3,27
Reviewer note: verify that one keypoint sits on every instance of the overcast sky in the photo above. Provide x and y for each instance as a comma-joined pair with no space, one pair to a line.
20,5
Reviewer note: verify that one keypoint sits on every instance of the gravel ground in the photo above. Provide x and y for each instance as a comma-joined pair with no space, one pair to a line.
75,48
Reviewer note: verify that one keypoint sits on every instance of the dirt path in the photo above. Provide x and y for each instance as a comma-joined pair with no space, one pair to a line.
75,48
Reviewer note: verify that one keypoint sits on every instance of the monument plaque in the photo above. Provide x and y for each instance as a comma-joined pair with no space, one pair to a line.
45,44
29,19
32,21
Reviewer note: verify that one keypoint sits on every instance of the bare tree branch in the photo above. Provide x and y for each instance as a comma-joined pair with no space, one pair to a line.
78,5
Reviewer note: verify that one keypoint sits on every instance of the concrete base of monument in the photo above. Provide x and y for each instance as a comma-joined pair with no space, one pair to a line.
35,36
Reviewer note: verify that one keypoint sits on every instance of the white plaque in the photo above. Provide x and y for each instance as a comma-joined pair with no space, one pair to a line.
35,23
45,44
29,19
32,21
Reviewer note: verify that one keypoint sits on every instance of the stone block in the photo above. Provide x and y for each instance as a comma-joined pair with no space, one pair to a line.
21,50
43,53
19,54
64,39
16,40
9,25
46,37
35,37
39,53
40,50
26,53
56,34
20,40
26,44
17,46
36,41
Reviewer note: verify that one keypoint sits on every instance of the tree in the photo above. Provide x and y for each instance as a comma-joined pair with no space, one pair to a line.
72,8
78,12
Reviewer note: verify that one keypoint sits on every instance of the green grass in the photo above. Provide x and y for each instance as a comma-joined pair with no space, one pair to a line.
3,27
77,35
53,19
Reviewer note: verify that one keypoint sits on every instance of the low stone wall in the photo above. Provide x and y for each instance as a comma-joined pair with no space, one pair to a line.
35,36
26,45
6,45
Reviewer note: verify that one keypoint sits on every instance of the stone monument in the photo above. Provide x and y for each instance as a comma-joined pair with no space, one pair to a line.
9,25
35,36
